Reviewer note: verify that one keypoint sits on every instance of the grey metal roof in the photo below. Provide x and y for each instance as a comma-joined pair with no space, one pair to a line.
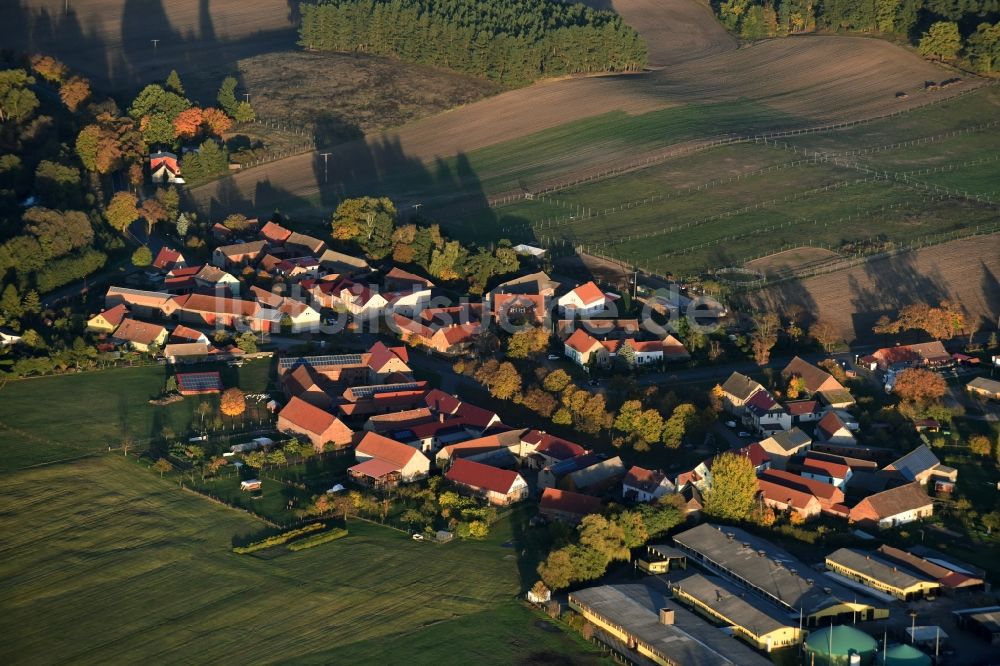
741,386
875,568
690,640
762,566
733,602
916,461
792,439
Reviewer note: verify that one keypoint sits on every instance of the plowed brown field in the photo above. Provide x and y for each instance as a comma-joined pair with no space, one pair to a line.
814,80
966,271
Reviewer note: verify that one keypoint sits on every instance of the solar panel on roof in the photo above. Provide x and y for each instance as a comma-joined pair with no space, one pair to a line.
369,391
320,361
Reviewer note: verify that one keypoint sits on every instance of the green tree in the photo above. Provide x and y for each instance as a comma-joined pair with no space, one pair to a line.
980,445
633,528
174,82
556,381
163,466
142,257
506,383
227,96
122,211
941,42
527,343
247,342
603,536
734,488
682,419
10,302
158,129
983,48
562,417
661,517
628,416
244,113
17,101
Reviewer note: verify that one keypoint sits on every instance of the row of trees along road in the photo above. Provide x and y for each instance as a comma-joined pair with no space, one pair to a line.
511,41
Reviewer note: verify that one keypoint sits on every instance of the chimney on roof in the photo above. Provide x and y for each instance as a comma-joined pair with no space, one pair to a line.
666,616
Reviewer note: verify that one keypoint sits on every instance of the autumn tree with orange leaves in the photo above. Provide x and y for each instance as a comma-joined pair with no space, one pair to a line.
74,92
217,122
919,386
187,124
941,323
233,402
48,68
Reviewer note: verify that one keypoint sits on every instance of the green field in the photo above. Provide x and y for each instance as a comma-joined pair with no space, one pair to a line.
687,215
51,418
106,563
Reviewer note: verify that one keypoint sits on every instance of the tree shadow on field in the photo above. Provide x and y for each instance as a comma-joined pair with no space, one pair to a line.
122,61
991,296
890,284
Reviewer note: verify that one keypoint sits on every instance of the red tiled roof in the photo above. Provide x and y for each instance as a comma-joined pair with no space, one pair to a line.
552,446
644,479
830,424
399,275
477,475
474,416
823,491
897,500
306,416
825,467
274,233
383,448
182,332
218,305
761,400
166,257
581,341
589,293
801,407
442,402
781,493
755,453
565,501
115,315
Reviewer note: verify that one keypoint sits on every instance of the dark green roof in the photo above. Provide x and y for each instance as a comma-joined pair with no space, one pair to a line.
845,639
904,655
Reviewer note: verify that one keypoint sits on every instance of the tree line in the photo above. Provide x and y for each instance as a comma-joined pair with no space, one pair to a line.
967,31
511,41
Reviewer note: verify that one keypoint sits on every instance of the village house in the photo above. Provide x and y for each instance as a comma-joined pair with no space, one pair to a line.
736,391
645,485
583,349
450,340
164,168
534,284
238,255
831,429
109,320
385,423
393,462
762,413
216,280
540,449
921,465
788,499
177,353
781,446
929,354
274,233
181,280
814,379
592,474
235,313
827,471
360,402
339,266
893,507
361,300
567,507
296,269
984,388
803,411
304,245
496,449
167,259
517,309
584,301
139,335
144,304
322,428
699,476
498,486
952,575
399,280
830,497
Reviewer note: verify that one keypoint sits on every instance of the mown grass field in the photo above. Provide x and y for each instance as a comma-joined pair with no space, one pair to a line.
50,418
104,562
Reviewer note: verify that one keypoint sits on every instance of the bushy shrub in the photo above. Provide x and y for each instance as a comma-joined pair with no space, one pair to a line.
318,539
278,539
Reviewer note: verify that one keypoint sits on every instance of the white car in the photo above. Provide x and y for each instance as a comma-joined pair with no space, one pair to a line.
554,357
418,537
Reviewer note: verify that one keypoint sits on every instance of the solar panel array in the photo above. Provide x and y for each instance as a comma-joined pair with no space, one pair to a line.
319,361
199,381
364,392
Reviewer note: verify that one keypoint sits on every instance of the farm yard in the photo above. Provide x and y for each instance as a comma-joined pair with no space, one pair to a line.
146,573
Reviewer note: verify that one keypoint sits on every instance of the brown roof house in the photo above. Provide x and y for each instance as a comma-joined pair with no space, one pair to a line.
140,335
109,320
784,444
737,390
239,254
832,429
921,465
566,506
407,463
319,426
896,506
497,486
645,485
813,378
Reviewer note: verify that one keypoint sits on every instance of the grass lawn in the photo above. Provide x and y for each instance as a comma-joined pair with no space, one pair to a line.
104,562
51,418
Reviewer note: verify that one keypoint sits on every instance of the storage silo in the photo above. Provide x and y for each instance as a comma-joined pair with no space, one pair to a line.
839,646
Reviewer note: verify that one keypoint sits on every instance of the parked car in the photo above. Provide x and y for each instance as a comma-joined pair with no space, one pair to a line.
744,433
553,357
731,424
418,537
